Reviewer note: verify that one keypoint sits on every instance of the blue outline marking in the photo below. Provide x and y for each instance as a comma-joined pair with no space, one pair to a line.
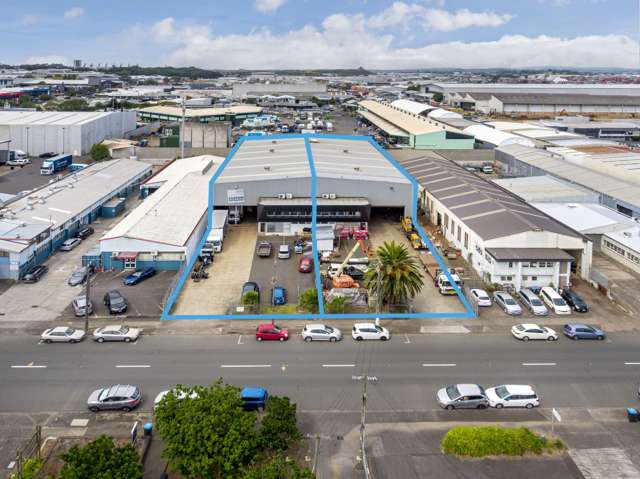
415,187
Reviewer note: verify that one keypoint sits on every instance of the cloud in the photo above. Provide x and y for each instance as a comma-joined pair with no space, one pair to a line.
29,20
74,12
445,21
269,6
39,60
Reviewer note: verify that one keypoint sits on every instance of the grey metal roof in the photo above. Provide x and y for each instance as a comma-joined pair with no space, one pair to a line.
530,254
551,99
488,210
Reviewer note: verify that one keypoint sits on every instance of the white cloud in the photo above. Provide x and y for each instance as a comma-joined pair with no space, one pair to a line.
445,21
74,12
269,6
29,20
39,60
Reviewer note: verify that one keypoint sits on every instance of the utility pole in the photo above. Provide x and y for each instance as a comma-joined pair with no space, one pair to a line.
363,420
182,132
87,299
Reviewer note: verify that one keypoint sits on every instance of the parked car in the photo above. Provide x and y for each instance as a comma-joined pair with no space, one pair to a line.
116,332
362,331
81,307
507,303
248,287
306,264
85,232
284,251
69,244
62,334
139,276
574,300
298,246
79,276
462,396
532,302
264,249
481,297
119,396
279,296
582,331
271,332
356,273
18,162
525,332
512,395
115,302
551,297
321,332
48,154
254,398
34,274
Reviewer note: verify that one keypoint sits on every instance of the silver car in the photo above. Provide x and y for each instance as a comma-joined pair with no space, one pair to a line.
79,304
321,332
462,396
507,303
532,302
62,334
119,396
78,276
117,332
284,251
69,244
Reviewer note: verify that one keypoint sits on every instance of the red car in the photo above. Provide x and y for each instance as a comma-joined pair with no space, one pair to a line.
306,264
271,332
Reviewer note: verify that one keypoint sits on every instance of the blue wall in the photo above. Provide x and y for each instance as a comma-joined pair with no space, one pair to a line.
109,263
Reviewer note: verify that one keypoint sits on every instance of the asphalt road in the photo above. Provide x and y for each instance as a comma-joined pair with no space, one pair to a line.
319,376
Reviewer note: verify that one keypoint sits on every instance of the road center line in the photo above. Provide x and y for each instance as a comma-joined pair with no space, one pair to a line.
245,365
632,364
29,366
539,364
133,366
440,365
338,365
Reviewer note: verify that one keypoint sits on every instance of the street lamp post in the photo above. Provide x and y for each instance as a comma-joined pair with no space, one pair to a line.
87,294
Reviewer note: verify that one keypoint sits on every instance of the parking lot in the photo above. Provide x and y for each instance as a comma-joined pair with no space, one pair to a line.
15,179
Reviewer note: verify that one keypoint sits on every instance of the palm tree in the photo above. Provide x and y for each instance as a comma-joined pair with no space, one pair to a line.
400,276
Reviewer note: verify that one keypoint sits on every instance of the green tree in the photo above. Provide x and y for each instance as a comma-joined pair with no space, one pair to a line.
207,436
99,152
75,104
279,467
101,459
336,306
250,298
279,428
308,300
400,276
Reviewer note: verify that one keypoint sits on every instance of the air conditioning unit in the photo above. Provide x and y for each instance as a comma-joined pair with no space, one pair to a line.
332,196
325,196
289,196
281,196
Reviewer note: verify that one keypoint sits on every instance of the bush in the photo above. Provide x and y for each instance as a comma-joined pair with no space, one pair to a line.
336,306
99,152
101,459
250,298
279,428
30,469
308,300
491,441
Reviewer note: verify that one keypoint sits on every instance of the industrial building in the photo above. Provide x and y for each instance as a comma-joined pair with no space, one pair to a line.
306,89
165,229
547,189
235,114
616,130
36,132
504,239
33,227
414,130
489,137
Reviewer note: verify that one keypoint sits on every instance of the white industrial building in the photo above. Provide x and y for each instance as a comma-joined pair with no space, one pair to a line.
36,132
506,241
546,189
488,137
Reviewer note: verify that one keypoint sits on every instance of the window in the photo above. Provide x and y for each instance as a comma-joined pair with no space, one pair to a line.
534,278
453,227
466,241
459,234
525,265
534,264
510,264
525,278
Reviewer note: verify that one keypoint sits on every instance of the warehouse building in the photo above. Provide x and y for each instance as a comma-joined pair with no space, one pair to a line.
616,130
547,189
505,240
33,227
306,89
36,132
235,114
414,130
165,229
489,137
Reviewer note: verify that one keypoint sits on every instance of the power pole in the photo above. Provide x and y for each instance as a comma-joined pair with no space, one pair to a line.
363,420
87,292
182,132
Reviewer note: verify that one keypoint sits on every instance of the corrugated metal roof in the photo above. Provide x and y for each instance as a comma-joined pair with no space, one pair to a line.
61,118
411,106
383,124
486,134
198,112
565,99
529,254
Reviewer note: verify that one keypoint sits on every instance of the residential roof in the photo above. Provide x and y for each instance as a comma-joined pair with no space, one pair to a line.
199,112
411,106
524,254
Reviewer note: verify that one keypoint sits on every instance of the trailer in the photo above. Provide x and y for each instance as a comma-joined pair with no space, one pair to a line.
56,164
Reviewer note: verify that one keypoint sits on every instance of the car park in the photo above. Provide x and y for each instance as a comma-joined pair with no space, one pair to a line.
481,297
116,332
363,331
34,274
507,303
462,396
248,287
284,251
81,307
574,300
69,244
512,395
118,396
532,302
254,398
582,331
271,332
78,277
62,334
139,276
85,232
306,264
115,302
525,332
321,332
279,296
554,301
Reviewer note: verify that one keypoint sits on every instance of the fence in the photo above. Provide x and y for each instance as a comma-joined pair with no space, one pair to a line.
31,450
173,285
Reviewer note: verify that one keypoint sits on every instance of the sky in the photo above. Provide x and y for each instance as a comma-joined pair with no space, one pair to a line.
373,34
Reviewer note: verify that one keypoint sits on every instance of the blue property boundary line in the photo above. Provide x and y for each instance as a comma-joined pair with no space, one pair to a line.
414,212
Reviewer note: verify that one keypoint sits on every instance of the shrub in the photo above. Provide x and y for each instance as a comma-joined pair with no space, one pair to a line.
99,152
308,300
336,306
250,298
491,441
279,427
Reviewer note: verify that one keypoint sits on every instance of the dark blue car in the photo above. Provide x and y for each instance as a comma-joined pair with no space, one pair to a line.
583,331
279,296
139,276
254,398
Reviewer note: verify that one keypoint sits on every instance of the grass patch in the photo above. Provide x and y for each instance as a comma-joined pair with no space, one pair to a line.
282,309
482,441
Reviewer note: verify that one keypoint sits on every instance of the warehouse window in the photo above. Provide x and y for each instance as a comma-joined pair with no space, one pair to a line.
459,234
466,241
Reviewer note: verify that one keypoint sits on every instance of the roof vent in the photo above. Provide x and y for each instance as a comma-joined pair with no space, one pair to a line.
345,151
627,234
271,150
267,168
572,205
274,141
356,168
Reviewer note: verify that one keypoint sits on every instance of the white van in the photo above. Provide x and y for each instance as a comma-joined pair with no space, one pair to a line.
555,302
444,286
512,395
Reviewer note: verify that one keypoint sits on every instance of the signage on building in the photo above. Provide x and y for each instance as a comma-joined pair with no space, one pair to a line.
235,196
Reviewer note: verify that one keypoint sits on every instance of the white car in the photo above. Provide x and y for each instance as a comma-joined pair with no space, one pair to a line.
116,332
362,331
179,395
69,244
525,332
321,332
555,302
481,297
18,162
62,334
512,395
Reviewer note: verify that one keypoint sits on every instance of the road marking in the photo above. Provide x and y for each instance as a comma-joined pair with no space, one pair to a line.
240,339
245,365
338,365
539,364
407,341
133,365
29,366
632,364
79,422
440,365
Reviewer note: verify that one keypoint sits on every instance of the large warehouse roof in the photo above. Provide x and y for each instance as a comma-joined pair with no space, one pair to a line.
483,206
546,188
411,106
560,88
200,112
565,99
412,124
57,118
486,134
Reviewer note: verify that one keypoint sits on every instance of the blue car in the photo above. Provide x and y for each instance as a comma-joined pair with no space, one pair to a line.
139,276
583,331
279,296
254,398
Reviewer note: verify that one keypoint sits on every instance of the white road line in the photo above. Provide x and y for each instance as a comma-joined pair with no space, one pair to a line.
440,365
133,365
29,366
406,341
632,364
240,339
245,365
338,365
539,364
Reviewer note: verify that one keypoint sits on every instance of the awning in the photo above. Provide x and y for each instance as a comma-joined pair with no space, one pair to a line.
383,124
128,256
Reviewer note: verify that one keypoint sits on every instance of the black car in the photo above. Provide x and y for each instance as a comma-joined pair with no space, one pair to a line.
34,274
48,154
354,272
250,286
85,232
116,303
576,302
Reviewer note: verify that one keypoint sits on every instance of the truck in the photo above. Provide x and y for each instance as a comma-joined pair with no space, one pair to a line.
55,164
215,238
444,285
264,249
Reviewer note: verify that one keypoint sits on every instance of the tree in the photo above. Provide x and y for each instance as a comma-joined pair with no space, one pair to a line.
400,276
279,428
279,467
208,435
250,298
101,459
99,152
308,300
336,306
